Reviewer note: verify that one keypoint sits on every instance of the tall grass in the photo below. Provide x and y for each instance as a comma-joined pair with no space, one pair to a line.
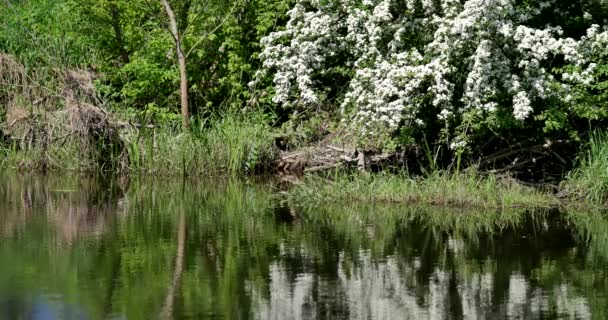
230,144
241,144
4,151
589,181
227,144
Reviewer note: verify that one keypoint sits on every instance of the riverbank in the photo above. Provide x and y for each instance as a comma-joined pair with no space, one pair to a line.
469,190
229,144
584,187
238,145
87,96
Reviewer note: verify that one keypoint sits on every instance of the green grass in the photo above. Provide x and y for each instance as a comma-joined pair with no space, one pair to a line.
589,181
468,189
231,144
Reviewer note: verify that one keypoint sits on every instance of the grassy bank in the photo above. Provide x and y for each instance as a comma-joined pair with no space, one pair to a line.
584,187
237,144
442,189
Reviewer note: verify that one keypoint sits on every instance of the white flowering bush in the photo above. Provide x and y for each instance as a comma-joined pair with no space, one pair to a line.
449,69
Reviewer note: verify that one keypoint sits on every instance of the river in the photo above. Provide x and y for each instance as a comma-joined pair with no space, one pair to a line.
80,247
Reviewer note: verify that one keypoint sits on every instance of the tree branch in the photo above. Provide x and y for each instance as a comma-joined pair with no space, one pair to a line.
198,15
210,32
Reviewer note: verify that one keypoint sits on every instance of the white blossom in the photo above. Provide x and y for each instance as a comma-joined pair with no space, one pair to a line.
406,60
521,106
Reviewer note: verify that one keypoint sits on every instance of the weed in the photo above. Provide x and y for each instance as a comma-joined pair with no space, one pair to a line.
589,181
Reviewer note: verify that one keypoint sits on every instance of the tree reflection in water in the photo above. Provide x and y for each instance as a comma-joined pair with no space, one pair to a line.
226,249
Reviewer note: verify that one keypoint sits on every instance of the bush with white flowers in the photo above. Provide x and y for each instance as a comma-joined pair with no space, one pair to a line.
465,65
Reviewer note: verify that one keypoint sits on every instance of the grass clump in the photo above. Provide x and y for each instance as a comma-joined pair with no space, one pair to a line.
589,181
468,189
230,144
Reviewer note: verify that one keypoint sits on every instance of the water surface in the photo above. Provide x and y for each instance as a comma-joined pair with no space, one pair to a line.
85,248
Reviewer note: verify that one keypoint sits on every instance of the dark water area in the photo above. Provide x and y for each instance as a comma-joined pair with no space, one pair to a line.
85,248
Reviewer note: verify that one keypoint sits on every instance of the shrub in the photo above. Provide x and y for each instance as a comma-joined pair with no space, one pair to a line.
456,71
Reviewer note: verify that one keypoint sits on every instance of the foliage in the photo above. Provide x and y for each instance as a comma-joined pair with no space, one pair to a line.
40,33
126,43
455,71
221,39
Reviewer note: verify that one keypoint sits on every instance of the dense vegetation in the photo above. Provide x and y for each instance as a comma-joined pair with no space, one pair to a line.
80,55
207,86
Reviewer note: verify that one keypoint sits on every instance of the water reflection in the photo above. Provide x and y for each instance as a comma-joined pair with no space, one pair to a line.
449,276
80,208
83,248
382,291
39,308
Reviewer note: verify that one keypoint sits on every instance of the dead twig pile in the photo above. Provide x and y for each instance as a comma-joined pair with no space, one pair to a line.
327,157
47,117
545,163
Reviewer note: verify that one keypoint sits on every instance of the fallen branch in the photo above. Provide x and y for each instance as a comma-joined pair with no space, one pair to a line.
323,168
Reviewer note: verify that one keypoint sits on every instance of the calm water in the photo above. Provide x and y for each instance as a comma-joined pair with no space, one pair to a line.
81,248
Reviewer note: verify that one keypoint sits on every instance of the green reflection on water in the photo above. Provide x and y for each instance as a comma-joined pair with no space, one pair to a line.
80,247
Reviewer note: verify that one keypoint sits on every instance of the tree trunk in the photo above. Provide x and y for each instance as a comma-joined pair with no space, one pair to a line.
181,59
120,42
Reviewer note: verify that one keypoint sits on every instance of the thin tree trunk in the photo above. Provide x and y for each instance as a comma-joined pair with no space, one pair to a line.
181,59
118,32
